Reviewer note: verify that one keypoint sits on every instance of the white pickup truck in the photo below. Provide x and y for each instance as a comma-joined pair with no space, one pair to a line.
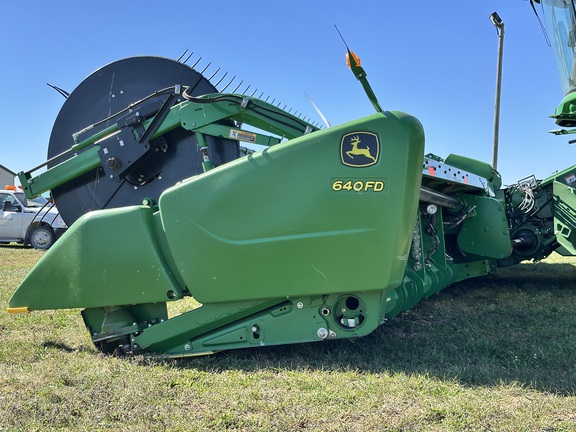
28,222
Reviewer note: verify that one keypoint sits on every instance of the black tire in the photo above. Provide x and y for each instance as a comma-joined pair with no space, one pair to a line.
42,237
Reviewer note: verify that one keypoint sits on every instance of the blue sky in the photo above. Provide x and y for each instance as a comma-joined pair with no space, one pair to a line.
435,60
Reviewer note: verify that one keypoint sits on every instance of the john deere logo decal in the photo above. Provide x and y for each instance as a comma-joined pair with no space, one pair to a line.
359,149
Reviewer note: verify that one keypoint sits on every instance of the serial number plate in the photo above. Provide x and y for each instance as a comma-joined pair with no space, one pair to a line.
358,185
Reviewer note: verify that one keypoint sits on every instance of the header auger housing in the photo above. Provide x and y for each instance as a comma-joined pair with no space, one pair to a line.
325,234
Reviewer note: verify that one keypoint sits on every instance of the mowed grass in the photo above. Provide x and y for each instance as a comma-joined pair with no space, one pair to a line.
489,354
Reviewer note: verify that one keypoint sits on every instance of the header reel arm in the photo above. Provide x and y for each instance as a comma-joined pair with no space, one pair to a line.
161,140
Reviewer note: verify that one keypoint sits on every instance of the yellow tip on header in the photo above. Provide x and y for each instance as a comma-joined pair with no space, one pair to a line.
18,310
356,59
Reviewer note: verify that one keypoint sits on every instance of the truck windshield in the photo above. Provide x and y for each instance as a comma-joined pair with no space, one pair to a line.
37,202
560,20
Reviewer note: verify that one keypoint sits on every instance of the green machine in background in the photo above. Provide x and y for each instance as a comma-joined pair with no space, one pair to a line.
324,234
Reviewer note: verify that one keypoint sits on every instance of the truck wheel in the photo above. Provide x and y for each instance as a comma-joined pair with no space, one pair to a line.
42,237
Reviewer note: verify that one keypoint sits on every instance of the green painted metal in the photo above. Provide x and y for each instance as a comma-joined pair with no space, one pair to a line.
360,74
306,319
198,114
244,109
335,237
60,174
311,239
565,216
321,218
477,167
565,113
473,269
566,176
323,235
238,134
78,274
278,210
485,232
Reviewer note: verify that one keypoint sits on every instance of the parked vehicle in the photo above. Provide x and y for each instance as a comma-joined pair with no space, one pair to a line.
30,222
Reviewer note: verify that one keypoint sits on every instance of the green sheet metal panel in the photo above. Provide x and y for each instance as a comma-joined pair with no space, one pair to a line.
107,257
311,216
485,233
565,216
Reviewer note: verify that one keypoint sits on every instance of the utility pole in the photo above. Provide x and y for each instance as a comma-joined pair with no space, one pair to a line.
497,22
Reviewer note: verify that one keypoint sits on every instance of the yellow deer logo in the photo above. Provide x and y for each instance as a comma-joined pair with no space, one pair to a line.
355,151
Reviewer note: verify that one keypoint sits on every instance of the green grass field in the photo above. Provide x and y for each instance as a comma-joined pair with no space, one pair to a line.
491,354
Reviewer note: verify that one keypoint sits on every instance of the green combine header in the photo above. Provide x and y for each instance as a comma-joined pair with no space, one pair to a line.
324,234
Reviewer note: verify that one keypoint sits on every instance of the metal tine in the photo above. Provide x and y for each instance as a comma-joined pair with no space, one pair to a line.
231,81
59,90
183,54
212,76
197,61
234,91
226,86
188,58
221,79
223,89
204,70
